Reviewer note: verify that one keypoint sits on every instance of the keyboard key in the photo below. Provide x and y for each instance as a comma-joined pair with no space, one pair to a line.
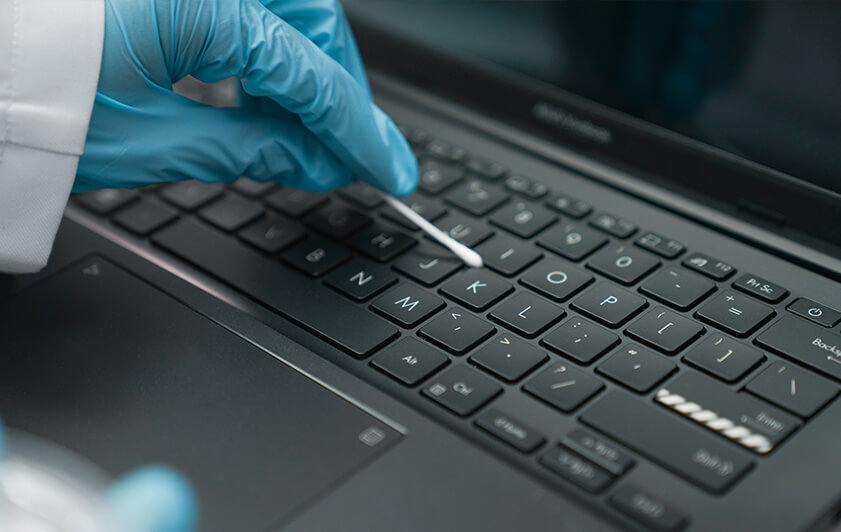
295,203
650,510
573,241
816,312
760,288
665,330
272,234
523,219
724,357
609,304
427,264
665,247
145,217
315,256
462,390
476,289
507,256
337,221
360,280
410,361
600,450
792,388
407,305
426,207
252,189
580,340
457,331
435,177
678,288
572,207
712,268
485,168
508,358
735,313
468,231
278,287
613,225
476,198
511,431
804,342
415,136
556,279
667,440
363,195
231,213
622,263
526,186
563,386
527,314
637,368
106,201
382,244
737,416
577,469
446,151
190,195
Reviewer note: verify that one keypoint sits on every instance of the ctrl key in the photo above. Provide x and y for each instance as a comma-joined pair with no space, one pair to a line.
462,390
647,509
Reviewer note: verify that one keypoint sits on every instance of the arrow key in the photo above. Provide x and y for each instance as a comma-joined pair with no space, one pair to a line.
508,358
457,330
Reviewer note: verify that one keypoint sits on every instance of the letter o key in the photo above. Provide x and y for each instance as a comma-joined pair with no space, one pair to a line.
557,277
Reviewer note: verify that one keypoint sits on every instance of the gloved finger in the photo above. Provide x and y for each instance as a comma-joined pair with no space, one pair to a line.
177,139
152,499
274,60
324,23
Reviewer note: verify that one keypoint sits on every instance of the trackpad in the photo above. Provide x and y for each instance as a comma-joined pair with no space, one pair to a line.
109,366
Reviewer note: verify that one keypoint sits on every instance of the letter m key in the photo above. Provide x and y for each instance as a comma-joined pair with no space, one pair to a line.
407,303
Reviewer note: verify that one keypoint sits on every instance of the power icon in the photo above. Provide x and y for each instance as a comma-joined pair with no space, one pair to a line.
815,312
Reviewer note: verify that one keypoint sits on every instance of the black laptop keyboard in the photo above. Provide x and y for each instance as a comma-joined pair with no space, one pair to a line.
571,298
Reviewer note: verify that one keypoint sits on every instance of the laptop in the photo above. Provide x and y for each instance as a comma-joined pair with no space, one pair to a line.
653,343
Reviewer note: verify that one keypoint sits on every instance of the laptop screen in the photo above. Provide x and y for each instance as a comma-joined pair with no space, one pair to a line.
758,80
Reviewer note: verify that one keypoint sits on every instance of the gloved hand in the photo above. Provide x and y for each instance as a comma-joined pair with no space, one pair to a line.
151,499
308,120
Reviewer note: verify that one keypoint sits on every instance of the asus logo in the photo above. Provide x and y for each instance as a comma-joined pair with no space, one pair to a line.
562,119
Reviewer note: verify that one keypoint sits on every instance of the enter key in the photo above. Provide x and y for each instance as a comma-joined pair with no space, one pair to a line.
739,417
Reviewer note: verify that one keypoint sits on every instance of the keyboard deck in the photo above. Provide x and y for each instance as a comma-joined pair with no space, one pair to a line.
663,353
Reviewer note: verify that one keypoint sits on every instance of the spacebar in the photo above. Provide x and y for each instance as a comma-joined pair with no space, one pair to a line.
303,301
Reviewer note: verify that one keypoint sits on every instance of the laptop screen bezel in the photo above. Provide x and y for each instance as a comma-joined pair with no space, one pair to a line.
660,155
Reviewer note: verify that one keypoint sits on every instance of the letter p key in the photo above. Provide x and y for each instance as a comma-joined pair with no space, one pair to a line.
609,300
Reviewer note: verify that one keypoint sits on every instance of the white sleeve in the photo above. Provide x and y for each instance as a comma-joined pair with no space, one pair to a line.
50,54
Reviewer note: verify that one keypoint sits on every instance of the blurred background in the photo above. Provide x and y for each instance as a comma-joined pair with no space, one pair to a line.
742,76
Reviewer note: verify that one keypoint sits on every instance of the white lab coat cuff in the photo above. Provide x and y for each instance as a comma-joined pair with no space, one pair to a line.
31,205
50,55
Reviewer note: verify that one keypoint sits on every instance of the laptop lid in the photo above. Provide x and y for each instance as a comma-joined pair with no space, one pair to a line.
733,104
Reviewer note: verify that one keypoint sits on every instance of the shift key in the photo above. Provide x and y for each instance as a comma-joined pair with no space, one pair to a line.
698,457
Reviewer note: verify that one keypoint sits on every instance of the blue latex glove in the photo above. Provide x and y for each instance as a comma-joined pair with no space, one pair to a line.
307,121
151,499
